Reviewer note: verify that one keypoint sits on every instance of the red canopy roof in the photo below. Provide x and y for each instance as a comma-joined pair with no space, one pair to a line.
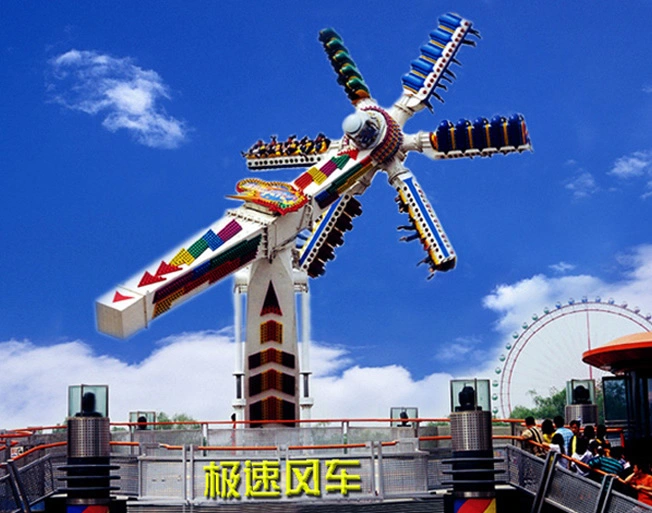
624,353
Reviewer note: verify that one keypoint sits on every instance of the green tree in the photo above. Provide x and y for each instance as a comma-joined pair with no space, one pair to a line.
544,407
555,404
177,417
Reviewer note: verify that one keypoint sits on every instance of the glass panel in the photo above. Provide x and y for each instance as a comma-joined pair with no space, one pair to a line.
89,400
649,400
470,394
403,412
580,391
143,417
615,398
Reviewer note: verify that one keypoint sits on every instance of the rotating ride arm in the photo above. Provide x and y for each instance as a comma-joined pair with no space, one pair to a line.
274,213
423,222
327,234
429,71
348,75
480,138
226,246
304,152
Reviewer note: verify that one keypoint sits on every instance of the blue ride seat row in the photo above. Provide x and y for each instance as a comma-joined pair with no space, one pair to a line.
431,51
481,134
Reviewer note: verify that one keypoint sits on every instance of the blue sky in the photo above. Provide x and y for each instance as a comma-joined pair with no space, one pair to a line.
96,184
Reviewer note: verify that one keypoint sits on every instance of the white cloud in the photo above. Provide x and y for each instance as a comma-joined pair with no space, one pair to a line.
647,89
516,302
328,360
128,96
370,392
637,164
193,373
37,378
648,193
583,185
466,350
562,267
556,347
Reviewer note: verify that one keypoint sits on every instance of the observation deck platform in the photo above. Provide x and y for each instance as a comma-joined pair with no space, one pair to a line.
338,467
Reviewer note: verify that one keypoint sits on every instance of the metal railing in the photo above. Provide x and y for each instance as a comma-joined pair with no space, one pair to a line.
181,466
549,483
34,476
201,475
220,432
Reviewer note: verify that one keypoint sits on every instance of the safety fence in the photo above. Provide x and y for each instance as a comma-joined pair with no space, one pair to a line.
35,475
222,465
203,475
315,431
432,433
549,483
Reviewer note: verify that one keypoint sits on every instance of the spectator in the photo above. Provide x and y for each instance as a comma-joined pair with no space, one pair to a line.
558,421
532,434
618,453
575,428
601,436
557,445
547,429
589,433
641,481
604,462
581,454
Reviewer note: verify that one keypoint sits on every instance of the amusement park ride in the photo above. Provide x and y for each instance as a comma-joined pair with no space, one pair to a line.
287,230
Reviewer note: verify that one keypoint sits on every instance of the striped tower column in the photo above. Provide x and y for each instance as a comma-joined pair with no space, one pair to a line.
271,362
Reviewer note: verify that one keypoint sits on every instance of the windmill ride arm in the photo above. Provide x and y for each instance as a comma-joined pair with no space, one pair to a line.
273,215
216,252
348,74
328,234
347,170
429,71
423,222
479,138
291,153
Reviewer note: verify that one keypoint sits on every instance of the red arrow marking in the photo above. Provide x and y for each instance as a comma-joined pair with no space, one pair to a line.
166,268
120,297
148,279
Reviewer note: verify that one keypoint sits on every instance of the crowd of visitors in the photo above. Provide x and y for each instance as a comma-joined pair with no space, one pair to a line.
588,449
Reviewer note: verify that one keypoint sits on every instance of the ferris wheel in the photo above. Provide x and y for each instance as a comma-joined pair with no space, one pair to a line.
547,352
